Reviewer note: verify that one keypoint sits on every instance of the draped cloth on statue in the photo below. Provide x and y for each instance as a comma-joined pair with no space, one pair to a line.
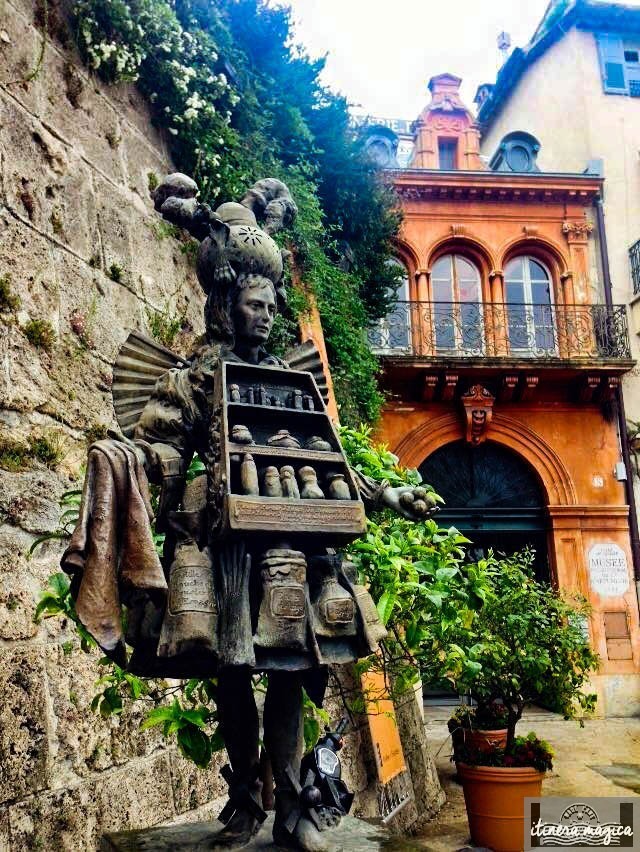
112,556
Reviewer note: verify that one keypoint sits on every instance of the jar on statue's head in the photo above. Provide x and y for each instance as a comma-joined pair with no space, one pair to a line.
247,248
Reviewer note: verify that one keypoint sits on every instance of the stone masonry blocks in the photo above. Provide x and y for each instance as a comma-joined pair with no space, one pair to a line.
25,723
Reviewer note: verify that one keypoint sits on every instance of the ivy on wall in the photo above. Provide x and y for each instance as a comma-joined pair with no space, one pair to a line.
241,102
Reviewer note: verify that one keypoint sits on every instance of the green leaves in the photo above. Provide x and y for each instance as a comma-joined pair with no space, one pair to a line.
525,643
70,511
56,599
312,719
118,684
188,725
385,605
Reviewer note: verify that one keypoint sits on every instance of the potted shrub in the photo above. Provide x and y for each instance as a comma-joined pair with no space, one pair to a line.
527,645
496,782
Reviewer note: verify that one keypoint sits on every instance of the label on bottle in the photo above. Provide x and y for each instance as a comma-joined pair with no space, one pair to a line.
191,589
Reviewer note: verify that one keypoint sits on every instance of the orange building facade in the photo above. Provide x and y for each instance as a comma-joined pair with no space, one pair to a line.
500,361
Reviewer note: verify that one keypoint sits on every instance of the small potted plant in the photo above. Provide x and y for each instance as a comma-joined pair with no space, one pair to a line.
528,645
478,727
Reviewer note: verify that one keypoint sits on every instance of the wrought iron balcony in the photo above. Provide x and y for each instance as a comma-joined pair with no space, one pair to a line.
472,330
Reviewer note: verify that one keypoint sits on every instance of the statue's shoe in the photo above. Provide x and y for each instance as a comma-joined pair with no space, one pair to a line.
238,832
305,837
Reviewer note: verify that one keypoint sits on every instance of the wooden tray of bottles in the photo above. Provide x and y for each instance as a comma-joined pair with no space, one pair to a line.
266,400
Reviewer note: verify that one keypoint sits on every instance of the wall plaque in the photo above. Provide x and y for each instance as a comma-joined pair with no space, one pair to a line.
608,571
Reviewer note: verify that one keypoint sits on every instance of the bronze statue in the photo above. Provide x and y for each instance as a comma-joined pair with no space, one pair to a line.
249,580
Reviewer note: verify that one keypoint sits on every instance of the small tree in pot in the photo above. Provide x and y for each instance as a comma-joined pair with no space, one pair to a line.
528,645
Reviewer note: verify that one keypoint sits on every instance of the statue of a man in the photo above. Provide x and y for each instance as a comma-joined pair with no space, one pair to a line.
212,619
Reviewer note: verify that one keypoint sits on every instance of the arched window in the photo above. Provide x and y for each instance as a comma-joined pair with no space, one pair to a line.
530,317
493,496
393,332
457,311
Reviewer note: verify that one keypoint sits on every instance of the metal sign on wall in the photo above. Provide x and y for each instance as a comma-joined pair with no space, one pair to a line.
608,570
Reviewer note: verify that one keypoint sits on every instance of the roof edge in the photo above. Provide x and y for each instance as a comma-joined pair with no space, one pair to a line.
584,14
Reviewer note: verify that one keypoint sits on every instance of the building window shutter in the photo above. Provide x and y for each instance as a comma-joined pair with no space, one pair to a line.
611,52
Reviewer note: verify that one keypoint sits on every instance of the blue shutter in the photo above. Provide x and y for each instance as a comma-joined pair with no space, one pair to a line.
611,52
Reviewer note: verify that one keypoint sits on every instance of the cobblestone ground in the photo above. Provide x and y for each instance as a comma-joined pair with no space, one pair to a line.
611,745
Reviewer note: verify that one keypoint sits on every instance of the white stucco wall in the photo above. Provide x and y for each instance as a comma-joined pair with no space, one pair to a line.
560,100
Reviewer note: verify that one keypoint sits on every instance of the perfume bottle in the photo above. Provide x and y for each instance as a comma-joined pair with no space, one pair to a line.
249,476
309,481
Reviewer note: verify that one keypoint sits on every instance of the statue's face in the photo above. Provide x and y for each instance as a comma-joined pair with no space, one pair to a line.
254,314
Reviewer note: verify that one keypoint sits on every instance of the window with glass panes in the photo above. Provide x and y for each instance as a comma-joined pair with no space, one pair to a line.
447,154
530,319
457,310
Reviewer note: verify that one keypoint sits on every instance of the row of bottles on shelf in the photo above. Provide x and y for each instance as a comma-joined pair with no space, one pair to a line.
259,395
283,483
282,439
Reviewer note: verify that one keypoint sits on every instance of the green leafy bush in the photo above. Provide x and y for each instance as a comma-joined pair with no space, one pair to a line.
526,645
425,592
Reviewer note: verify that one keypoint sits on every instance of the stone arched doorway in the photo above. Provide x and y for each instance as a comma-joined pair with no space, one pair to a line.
493,496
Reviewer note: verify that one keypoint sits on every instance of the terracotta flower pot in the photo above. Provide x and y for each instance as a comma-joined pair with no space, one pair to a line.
485,740
494,796
477,739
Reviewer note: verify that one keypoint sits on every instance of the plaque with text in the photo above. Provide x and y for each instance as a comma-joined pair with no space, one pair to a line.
608,570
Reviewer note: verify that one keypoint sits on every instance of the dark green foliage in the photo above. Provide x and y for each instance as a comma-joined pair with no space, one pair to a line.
241,103
116,273
524,751
46,448
39,333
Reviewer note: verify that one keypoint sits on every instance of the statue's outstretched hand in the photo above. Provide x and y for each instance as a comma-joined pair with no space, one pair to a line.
413,503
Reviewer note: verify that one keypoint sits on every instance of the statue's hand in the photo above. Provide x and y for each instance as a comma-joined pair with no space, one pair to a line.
413,503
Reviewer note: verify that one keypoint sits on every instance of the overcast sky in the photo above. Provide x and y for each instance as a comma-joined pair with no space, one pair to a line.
381,53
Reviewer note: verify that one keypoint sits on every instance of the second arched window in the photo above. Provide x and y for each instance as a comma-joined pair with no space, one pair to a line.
457,305
530,313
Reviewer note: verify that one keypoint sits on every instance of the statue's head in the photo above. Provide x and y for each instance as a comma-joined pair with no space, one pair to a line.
243,312
253,309
237,257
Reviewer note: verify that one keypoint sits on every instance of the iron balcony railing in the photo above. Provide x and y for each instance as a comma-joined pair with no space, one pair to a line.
488,330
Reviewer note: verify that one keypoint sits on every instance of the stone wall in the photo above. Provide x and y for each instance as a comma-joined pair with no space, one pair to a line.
82,249
75,213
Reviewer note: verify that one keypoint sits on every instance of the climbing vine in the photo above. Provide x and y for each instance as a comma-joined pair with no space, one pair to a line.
239,101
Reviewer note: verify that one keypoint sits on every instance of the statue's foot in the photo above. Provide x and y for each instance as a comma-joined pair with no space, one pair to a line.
237,832
305,837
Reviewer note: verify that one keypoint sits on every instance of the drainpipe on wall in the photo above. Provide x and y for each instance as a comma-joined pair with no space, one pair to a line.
619,401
